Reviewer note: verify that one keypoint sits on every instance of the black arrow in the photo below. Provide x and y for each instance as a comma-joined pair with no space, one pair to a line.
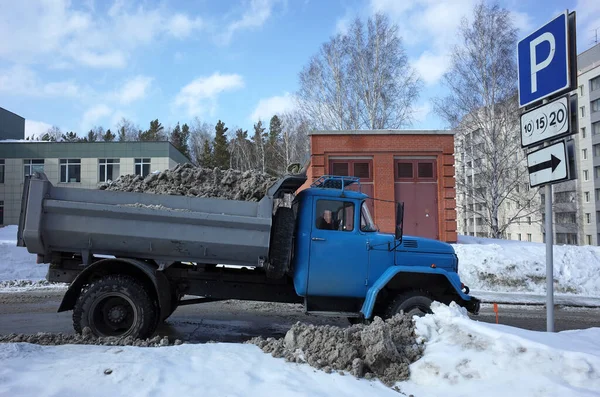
553,162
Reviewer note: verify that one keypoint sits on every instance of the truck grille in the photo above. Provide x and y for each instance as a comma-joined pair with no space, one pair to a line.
410,244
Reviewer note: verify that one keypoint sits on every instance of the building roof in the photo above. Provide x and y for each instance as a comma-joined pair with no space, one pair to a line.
36,149
382,132
13,113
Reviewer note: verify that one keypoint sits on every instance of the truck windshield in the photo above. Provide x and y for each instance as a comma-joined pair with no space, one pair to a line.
366,222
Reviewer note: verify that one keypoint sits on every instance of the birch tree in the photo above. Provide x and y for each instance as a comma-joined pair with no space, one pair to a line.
482,108
360,80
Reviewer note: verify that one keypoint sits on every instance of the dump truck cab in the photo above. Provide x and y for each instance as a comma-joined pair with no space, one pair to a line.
342,263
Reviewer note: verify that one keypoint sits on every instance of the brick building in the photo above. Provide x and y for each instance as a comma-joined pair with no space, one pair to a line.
413,166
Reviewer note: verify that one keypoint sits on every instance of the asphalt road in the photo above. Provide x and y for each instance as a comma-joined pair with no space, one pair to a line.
236,321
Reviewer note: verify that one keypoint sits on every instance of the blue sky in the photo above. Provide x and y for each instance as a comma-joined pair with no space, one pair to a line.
78,64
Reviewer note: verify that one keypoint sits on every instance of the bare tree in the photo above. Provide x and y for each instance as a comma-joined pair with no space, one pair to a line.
360,80
200,136
295,143
126,130
482,108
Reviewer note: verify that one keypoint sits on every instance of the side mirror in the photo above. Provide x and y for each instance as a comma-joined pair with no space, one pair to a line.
399,221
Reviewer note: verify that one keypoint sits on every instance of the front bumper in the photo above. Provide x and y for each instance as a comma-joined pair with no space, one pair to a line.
472,305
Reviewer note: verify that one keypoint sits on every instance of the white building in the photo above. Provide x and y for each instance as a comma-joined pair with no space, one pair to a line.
80,165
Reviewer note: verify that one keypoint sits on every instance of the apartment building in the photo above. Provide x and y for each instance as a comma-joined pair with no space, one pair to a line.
79,165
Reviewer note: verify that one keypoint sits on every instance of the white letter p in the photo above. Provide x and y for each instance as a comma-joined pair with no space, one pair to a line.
536,67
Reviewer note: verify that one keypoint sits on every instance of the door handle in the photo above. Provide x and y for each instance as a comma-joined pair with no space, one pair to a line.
318,239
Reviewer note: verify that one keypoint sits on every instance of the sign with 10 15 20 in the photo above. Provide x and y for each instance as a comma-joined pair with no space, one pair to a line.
546,122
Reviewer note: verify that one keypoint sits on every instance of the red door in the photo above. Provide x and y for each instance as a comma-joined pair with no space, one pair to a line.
416,186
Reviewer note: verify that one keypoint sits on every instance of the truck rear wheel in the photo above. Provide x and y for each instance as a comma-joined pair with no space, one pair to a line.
411,303
116,305
281,243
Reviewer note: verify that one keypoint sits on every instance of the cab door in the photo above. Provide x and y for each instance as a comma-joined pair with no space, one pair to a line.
338,260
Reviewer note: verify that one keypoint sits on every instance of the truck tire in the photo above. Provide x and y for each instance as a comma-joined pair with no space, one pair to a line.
282,240
116,305
411,303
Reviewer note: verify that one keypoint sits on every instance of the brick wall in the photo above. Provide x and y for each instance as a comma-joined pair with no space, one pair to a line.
384,149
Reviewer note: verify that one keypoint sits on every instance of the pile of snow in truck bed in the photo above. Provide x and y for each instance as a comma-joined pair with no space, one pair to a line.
462,357
189,180
517,266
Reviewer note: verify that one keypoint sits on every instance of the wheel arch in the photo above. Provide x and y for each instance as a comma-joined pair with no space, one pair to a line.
441,285
155,281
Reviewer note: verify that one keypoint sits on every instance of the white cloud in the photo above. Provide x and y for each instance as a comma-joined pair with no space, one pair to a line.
35,128
55,32
200,95
23,81
181,26
93,115
134,89
431,66
522,22
254,17
268,107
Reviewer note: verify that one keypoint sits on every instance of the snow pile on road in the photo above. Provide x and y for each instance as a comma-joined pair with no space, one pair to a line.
209,370
86,338
461,357
468,358
382,349
189,180
517,266
16,264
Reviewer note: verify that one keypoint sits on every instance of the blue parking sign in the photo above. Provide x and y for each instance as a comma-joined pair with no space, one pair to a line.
543,61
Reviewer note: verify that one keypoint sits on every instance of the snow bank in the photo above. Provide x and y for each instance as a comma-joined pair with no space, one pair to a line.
206,370
15,262
468,358
516,266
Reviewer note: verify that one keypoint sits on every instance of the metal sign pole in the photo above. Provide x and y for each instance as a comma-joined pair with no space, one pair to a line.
549,256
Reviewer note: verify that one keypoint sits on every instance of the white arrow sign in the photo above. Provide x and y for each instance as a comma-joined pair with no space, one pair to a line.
545,122
548,165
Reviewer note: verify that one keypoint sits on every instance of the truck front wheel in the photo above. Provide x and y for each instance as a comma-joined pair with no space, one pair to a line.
115,305
411,303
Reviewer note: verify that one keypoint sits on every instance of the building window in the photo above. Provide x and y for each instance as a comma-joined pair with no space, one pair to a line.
597,216
529,220
588,218
597,150
588,239
566,238
597,194
519,236
142,167
529,237
565,197
595,83
582,109
31,166
596,128
1,212
595,105
586,175
425,170
108,169
583,132
338,169
581,90
70,170
566,217
587,197
405,170
584,153
361,170
509,236
597,172
1,171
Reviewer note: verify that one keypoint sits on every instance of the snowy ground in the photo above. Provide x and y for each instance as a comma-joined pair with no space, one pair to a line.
517,266
15,262
462,358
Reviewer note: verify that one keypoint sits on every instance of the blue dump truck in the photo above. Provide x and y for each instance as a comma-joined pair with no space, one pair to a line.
131,258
